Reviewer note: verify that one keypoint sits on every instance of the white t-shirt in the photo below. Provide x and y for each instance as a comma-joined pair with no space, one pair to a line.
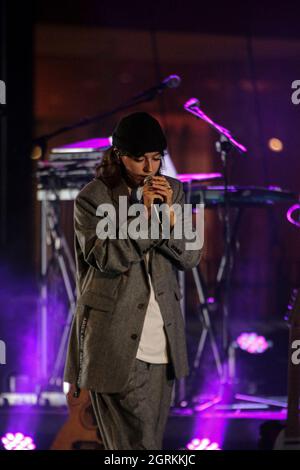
153,342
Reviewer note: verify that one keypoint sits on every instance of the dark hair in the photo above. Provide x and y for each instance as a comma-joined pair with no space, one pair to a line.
111,169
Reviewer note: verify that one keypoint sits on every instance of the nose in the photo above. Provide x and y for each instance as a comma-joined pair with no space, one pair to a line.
148,165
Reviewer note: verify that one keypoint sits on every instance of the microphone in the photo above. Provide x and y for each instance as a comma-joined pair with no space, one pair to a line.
137,197
172,81
192,102
137,194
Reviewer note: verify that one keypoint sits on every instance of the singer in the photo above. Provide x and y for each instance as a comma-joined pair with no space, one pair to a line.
127,343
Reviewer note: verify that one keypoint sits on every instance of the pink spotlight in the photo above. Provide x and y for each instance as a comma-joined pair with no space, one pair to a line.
252,343
290,215
202,444
17,441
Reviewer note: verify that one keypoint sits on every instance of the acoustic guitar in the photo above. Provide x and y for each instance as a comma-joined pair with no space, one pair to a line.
80,431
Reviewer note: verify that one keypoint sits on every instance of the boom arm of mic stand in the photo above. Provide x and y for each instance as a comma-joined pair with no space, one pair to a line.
193,106
89,120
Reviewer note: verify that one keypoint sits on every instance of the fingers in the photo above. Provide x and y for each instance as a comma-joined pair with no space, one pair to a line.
158,182
158,188
161,187
157,179
149,199
162,191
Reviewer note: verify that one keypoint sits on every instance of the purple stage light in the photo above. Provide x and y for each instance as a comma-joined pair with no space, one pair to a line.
17,441
187,177
208,404
290,215
252,343
87,145
202,444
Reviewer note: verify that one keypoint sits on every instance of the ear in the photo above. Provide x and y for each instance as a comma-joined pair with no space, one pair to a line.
117,153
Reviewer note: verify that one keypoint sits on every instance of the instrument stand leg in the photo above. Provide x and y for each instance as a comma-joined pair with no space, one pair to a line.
55,378
180,396
61,252
52,237
207,327
43,313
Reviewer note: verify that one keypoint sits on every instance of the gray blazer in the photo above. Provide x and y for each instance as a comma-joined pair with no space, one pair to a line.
113,292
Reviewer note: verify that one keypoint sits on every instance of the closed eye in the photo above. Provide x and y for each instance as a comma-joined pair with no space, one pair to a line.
141,159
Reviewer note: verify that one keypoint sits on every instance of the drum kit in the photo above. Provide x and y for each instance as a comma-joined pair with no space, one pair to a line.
70,167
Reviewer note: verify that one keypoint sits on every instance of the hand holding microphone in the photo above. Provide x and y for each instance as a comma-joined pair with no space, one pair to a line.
156,190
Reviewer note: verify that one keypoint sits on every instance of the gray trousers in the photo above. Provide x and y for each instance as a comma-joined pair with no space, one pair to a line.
135,418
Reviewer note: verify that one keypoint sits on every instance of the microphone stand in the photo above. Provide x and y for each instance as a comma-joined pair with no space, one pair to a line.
224,146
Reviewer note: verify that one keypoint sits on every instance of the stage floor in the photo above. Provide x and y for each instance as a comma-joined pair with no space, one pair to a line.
234,426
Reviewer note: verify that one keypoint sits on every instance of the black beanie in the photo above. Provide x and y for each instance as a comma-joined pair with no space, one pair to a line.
139,133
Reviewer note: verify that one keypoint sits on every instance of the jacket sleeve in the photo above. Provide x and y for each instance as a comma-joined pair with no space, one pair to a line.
175,248
112,256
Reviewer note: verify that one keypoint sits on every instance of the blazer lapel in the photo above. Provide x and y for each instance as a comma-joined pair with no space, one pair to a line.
121,189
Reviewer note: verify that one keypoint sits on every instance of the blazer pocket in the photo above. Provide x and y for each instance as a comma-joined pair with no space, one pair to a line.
97,302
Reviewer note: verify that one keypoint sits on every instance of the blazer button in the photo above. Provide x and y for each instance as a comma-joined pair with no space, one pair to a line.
140,306
134,336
